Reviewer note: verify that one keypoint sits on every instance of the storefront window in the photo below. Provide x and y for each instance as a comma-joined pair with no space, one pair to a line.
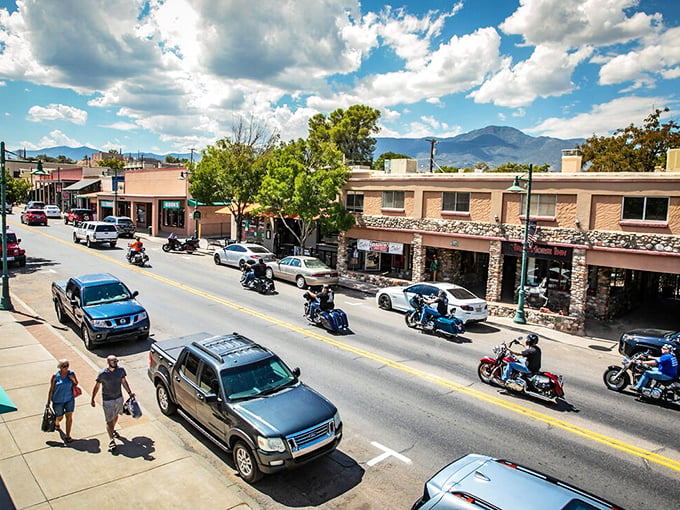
173,217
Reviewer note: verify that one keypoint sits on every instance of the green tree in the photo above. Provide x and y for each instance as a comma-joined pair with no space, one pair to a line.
303,180
633,148
112,163
379,164
350,130
16,189
444,169
231,170
518,168
171,159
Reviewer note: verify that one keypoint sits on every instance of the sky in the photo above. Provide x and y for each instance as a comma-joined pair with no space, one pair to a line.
165,76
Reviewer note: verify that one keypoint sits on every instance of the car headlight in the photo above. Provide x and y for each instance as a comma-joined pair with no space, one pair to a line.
271,444
336,420
103,323
141,316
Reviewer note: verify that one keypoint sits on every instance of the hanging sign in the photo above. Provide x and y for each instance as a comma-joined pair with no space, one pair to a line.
170,204
380,246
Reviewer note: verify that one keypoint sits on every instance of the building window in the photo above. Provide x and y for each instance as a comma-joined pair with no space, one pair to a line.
173,218
645,208
541,205
355,201
456,201
393,200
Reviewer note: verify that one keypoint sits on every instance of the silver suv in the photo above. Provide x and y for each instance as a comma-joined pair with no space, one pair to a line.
124,224
95,232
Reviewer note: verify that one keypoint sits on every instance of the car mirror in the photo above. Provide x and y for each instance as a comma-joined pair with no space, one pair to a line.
296,371
210,397
19,240
135,294
73,302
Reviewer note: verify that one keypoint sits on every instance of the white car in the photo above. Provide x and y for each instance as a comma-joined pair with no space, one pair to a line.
52,211
238,254
463,304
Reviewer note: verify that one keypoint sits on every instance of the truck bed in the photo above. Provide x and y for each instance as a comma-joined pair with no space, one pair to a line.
171,348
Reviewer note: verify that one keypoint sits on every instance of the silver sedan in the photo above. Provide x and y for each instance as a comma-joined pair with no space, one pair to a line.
304,271
238,254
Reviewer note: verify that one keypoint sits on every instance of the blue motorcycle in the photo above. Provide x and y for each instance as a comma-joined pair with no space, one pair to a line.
447,325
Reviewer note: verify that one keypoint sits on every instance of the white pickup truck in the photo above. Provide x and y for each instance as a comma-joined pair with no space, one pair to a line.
95,232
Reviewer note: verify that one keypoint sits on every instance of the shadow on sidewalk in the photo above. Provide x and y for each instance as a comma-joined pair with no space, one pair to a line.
135,448
83,445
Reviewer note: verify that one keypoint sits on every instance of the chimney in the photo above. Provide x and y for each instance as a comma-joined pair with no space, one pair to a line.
571,160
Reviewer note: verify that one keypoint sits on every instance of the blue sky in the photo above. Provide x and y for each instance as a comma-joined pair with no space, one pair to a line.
166,75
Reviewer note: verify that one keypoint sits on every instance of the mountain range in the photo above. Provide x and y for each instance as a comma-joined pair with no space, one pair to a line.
493,145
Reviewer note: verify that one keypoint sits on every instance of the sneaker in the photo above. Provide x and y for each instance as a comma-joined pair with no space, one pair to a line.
112,446
116,435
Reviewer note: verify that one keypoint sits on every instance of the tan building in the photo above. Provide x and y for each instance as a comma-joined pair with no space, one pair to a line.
600,242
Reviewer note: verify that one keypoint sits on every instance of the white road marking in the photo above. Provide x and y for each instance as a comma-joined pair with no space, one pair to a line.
387,453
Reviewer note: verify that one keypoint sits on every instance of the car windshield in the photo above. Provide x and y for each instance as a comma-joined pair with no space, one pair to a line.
106,293
315,264
256,379
461,293
11,238
124,221
258,249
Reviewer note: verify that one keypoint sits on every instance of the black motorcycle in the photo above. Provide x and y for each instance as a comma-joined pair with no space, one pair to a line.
189,245
260,284
137,257
618,378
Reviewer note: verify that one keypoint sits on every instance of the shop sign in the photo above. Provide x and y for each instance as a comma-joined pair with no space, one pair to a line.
380,246
106,203
538,251
170,204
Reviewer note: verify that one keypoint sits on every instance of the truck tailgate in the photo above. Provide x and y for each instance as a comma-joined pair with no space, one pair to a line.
170,349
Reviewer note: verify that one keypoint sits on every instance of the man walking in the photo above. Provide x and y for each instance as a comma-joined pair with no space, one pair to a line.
111,379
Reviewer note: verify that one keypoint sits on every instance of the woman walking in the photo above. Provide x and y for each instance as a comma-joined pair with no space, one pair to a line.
61,396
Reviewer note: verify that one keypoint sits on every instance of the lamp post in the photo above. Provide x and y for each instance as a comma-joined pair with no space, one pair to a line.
520,317
5,302
115,191
185,175
59,188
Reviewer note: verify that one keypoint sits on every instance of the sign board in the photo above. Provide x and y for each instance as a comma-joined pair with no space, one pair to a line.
538,251
380,246
106,203
196,214
170,204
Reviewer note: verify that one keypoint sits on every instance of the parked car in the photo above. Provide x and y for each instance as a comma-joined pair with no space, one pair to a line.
124,224
76,215
95,232
14,252
35,204
463,304
479,481
303,270
238,254
649,339
52,211
34,217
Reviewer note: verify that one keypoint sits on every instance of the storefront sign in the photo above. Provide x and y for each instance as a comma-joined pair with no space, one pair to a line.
170,204
106,203
380,246
538,251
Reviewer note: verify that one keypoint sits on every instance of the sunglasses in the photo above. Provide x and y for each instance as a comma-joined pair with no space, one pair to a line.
113,361
65,366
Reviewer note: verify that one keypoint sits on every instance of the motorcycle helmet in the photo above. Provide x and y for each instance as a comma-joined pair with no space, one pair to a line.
668,347
532,339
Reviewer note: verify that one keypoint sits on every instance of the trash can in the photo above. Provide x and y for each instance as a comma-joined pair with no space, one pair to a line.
149,229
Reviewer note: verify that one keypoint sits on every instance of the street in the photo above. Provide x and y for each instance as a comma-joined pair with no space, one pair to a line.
411,403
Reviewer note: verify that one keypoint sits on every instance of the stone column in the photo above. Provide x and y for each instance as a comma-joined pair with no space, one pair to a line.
341,263
418,258
494,278
579,287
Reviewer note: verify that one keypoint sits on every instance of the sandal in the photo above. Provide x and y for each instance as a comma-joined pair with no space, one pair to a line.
116,434
112,446
68,439
56,428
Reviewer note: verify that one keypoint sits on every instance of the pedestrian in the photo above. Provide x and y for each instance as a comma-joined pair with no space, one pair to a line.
111,379
61,396
434,266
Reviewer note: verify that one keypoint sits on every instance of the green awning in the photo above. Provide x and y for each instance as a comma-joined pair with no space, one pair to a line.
195,203
6,404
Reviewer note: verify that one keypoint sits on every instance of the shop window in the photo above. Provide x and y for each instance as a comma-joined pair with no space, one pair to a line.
173,218
354,201
393,200
645,208
455,201
541,205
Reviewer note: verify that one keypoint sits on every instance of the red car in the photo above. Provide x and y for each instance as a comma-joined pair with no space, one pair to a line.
77,215
14,252
34,216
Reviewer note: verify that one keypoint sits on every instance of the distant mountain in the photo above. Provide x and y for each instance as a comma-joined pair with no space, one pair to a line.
493,145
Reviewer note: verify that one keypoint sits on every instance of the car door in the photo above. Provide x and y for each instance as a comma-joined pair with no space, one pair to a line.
233,254
280,268
209,412
185,382
290,268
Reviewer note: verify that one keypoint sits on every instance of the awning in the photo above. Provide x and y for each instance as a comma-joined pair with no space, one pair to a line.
6,404
81,184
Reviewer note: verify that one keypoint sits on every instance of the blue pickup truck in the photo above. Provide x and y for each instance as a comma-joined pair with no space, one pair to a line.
101,307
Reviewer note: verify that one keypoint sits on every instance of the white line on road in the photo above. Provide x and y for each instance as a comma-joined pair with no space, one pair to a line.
387,453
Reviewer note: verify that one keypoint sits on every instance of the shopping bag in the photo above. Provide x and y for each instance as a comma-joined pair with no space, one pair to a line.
77,391
48,420
132,408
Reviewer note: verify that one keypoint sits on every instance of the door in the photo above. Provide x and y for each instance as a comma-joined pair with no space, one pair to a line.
210,414
184,382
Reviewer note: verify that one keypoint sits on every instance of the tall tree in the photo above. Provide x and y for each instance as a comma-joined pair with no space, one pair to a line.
231,170
633,148
303,180
112,163
518,168
379,164
350,130
16,189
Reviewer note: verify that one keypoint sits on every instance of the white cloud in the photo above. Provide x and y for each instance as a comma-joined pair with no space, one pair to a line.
602,119
57,112
54,138
121,126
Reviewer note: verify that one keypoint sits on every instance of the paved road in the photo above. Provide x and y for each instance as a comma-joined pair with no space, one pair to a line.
397,389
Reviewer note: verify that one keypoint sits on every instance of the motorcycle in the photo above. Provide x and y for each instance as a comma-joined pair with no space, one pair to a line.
261,284
543,385
618,378
334,320
189,245
448,325
137,258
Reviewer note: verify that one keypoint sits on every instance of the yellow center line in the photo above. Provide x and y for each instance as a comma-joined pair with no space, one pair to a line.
440,381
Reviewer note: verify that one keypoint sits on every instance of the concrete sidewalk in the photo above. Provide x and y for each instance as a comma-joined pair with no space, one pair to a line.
39,471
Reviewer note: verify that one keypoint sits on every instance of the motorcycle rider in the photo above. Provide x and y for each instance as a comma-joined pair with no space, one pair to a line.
322,301
135,246
441,309
257,270
665,368
531,355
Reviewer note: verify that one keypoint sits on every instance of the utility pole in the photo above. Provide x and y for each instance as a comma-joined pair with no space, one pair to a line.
432,142
6,302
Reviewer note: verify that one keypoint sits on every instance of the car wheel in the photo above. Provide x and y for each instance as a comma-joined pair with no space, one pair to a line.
165,403
87,338
269,273
60,312
75,238
245,463
113,244
385,302
300,282
614,381
144,337
88,242
217,259
22,262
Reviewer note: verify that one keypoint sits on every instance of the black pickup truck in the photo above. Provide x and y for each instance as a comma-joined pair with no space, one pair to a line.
246,400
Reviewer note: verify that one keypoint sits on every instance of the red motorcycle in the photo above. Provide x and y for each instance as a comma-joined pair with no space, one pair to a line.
542,385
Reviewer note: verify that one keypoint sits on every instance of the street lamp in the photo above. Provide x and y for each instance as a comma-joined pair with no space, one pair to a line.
5,302
185,175
520,317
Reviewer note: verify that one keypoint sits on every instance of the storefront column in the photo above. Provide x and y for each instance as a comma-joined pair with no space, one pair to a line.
579,287
419,256
495,277
341,263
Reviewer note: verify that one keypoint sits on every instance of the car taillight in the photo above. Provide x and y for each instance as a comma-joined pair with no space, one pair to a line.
467,308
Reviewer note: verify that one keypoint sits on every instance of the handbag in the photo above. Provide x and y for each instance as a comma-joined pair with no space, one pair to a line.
48,420
131,407
77,391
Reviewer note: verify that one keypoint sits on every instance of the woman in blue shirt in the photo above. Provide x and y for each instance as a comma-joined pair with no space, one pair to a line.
61,396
